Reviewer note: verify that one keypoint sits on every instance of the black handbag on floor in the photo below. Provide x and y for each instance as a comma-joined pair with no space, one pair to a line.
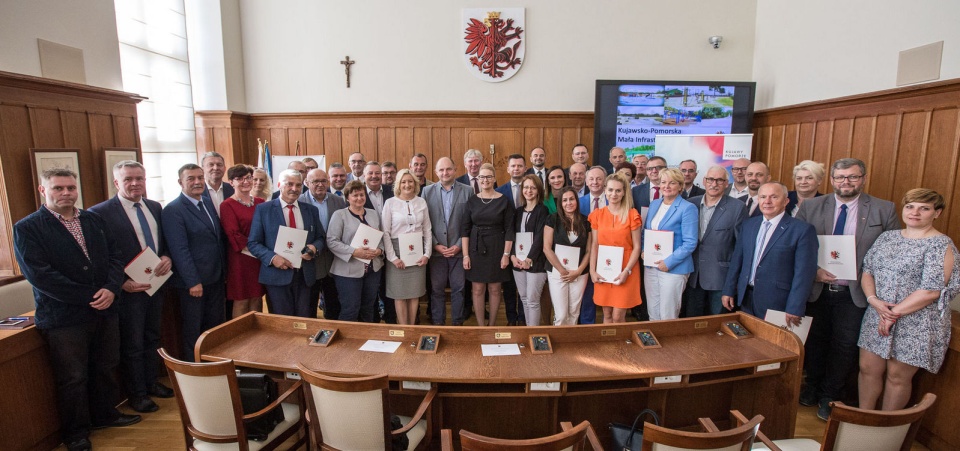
630,438
258,390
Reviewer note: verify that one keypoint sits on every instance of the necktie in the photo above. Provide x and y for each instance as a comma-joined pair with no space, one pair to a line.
147,234
339,193
516,195
540,175
761,240
204,211
749,206
290,218
596,203
476,186
656,192
841,220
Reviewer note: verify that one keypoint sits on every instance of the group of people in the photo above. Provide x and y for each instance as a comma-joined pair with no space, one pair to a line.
379,236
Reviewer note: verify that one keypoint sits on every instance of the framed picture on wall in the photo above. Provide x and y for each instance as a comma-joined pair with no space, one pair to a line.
43,159
112,156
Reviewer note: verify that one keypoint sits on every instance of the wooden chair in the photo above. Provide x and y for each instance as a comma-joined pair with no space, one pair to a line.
853,429
740,438
212,415
353,413
573,439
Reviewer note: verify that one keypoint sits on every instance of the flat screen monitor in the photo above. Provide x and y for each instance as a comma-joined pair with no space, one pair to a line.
631,113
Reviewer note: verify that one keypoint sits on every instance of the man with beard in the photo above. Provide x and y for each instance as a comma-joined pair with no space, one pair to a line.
837,306
757,174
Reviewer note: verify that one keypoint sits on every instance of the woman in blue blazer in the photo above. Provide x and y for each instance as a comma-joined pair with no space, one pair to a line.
666,279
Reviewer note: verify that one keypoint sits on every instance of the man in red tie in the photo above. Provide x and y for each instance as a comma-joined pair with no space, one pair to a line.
286,280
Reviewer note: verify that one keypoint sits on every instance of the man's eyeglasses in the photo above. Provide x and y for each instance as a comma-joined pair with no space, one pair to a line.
736,169
485,177
656,168
713,181
852,178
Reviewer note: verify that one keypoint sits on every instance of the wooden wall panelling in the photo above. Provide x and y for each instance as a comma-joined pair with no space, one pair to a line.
441,148
422,143
788,151
332,147
778,170
349,142
294,135
313,138
41,113
48,132
569,137
278,142
367,138
909,137
403,147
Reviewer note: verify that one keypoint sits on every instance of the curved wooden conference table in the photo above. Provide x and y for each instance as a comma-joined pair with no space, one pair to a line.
594,373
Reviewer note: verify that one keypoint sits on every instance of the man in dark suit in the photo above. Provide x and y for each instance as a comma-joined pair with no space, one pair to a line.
287,285
689,170
538,164
418,166
837,306
197,247
376,196
317,195
774,261
76,273
757,174
338,179
645,193
516,167
720,218
214,189
446,202
133,223
472,159
594,199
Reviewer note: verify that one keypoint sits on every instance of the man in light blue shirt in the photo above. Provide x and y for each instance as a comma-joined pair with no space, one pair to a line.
316,192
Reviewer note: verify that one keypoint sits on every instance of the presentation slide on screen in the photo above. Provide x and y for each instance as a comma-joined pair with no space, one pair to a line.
645,112
706,150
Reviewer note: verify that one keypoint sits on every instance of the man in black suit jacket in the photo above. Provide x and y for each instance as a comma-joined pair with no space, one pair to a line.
133,223
689,170
472,159
376,197
720,218
76,273
214,189
197,247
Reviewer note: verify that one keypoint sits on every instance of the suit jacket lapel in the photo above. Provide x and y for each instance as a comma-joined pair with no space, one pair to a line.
829,211
117,211
777,233
717,213
863,212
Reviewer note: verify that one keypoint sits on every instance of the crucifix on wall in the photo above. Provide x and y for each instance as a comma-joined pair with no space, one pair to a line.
347,63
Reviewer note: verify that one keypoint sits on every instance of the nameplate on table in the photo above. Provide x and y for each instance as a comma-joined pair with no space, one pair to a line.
388,347
500,349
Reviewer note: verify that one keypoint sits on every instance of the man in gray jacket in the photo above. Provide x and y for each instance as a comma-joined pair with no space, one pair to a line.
720,218
446,201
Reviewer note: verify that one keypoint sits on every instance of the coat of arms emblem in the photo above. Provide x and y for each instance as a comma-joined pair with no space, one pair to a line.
493,44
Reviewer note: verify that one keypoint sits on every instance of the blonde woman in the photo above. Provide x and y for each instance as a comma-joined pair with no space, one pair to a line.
807,177
262,186
617,224
402,214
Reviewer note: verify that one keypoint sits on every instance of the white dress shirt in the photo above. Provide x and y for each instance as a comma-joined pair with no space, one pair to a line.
406,216
216,196
131,212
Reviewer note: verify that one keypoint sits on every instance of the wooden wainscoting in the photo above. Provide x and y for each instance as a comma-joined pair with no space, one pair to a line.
908,137
42,113
396,136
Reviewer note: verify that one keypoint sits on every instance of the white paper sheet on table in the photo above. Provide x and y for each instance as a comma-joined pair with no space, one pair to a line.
388,347
500,349
779,318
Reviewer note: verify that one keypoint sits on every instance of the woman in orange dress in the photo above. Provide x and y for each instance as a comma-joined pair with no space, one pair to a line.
619,225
